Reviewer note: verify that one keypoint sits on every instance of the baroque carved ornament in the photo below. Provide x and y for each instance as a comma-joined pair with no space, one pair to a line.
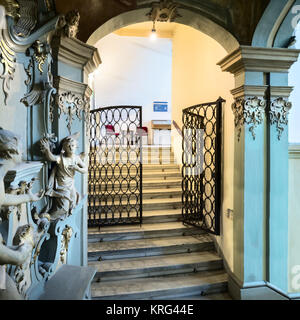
279,111
70,104
164,11
68,25
65,240
248,111
8,60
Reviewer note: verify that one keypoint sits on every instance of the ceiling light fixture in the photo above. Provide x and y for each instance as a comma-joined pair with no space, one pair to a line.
153,35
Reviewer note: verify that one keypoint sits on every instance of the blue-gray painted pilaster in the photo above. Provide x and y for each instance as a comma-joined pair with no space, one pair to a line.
249,233
261,163
249,181
278,172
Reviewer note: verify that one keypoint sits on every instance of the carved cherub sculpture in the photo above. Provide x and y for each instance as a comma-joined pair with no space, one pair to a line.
68,24
10,156
63,196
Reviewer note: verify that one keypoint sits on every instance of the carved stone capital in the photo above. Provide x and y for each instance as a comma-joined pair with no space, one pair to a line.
248,111
278,113
247,58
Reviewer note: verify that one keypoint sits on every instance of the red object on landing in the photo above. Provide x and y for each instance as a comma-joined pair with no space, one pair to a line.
142,131
110,130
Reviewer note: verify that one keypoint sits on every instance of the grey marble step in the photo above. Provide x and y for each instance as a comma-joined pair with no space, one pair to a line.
122,269
132,156
147,184
148,247
148,204
165,175
155,193
173,286
161,167
155,174
153,216
145,231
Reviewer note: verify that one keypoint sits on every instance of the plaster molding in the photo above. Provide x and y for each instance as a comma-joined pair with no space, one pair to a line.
63,84
75,53
22,171
278,113
252,91
281,91
247,58
248,111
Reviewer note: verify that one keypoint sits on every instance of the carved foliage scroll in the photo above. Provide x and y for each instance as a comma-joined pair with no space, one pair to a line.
248,111
8,61
70,104
28,18
279,111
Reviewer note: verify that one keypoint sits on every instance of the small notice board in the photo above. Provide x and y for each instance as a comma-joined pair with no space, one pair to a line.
159,106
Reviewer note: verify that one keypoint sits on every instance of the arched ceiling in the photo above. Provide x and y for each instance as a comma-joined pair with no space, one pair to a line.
240,16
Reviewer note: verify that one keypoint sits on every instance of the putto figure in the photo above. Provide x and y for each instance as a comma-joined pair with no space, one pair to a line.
10,156
63,196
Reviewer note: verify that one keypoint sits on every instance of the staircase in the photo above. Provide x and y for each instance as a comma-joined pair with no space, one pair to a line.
162,259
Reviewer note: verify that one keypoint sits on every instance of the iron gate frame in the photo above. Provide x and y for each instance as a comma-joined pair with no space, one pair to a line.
98,222
198,217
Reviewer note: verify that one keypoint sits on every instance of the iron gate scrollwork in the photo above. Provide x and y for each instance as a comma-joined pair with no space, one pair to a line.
115,166
201,166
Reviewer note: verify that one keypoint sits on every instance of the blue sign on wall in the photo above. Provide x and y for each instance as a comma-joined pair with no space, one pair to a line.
160,106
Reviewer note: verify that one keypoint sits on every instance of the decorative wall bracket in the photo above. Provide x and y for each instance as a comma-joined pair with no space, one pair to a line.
248,111
164,11
278,113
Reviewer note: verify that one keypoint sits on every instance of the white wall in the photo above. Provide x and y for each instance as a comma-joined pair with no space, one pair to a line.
294,80
134,71
198,79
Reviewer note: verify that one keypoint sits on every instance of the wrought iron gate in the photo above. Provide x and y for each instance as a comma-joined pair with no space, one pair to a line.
115,166
201,170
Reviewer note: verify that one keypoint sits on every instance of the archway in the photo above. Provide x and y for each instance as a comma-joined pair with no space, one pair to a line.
187,17
226,43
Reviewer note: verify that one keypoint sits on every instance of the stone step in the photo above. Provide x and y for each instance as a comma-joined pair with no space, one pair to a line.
156,266
124,168
147,194
147,184
158,183
161,167
148,204
160,216
108,175
148,247
145,231
165,175
173,286
152,216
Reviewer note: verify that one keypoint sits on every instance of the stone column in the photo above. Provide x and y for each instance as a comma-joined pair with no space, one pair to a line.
256,211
